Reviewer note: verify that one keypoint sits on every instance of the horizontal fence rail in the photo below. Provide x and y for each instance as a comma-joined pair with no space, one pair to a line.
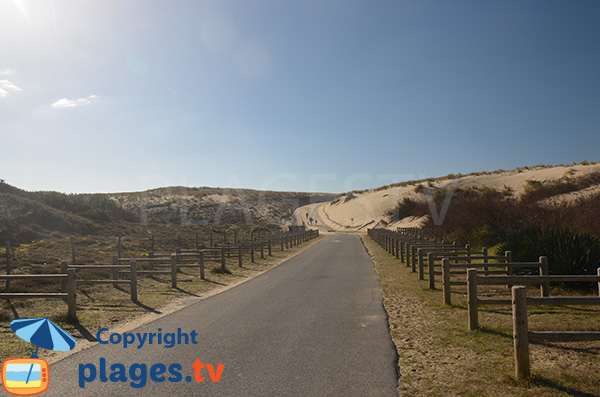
522,335
70,294
125,271
420,252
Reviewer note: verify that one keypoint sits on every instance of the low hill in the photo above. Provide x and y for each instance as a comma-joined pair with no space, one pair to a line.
27,216
405,204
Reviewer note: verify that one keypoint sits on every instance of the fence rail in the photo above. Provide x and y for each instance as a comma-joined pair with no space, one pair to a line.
70,295
155,262
521,332
415,247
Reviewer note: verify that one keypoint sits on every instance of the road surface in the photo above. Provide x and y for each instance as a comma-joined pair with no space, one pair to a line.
313,326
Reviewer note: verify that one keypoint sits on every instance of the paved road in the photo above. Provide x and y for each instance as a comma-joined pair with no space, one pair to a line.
313,326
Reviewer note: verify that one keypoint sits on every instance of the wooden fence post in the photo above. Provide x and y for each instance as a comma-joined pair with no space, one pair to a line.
468,247
223,259
262,249
201,260
133,279
402,251
509,270
270,252
64,267
151,263
71,295
508,259
545,286
115,272
430,269
446,278
119,248
485,260
520,332
598,271
422,266
281,242
240,255
472,298
173,270
252,251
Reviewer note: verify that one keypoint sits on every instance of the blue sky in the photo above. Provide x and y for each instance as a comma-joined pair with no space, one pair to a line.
313,95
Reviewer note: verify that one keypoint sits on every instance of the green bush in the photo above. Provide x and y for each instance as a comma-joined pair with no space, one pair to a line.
406,208
568,252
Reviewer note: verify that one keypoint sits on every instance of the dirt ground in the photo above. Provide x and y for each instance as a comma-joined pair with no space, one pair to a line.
438,356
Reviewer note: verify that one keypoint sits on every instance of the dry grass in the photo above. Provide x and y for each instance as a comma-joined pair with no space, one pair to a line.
440,357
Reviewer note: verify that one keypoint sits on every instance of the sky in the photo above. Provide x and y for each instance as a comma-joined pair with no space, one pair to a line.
312,95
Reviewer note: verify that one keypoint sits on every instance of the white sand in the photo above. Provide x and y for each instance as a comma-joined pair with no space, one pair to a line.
359,211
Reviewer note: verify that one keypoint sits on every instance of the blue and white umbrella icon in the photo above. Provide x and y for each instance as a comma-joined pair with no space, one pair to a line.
42,332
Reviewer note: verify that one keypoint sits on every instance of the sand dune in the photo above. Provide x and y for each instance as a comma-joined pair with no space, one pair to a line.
358,211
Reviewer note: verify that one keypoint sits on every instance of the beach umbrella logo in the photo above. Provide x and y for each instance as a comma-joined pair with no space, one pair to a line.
30,376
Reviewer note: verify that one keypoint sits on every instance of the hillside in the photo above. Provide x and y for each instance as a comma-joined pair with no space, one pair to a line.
357,211
27,216
207,206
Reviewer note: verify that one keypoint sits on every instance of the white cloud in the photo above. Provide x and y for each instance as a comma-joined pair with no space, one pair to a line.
6,87
71,103
6,72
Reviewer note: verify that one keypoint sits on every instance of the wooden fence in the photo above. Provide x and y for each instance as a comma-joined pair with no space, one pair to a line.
133,267
504,268
70,295
521,332
473,281
412,246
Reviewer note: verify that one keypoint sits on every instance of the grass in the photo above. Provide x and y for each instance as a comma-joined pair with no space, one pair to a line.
439,356
101,306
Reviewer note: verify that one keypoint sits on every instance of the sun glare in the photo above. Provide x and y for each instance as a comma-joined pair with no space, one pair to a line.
22,9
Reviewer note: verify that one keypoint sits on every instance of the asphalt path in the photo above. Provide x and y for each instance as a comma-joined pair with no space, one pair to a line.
313,326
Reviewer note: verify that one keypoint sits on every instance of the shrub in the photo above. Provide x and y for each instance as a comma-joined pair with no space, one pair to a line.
406,208
568,252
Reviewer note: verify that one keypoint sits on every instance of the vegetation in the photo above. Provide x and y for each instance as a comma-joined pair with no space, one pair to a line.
41,225
28,216
438,356
459,175
486,217
568,252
